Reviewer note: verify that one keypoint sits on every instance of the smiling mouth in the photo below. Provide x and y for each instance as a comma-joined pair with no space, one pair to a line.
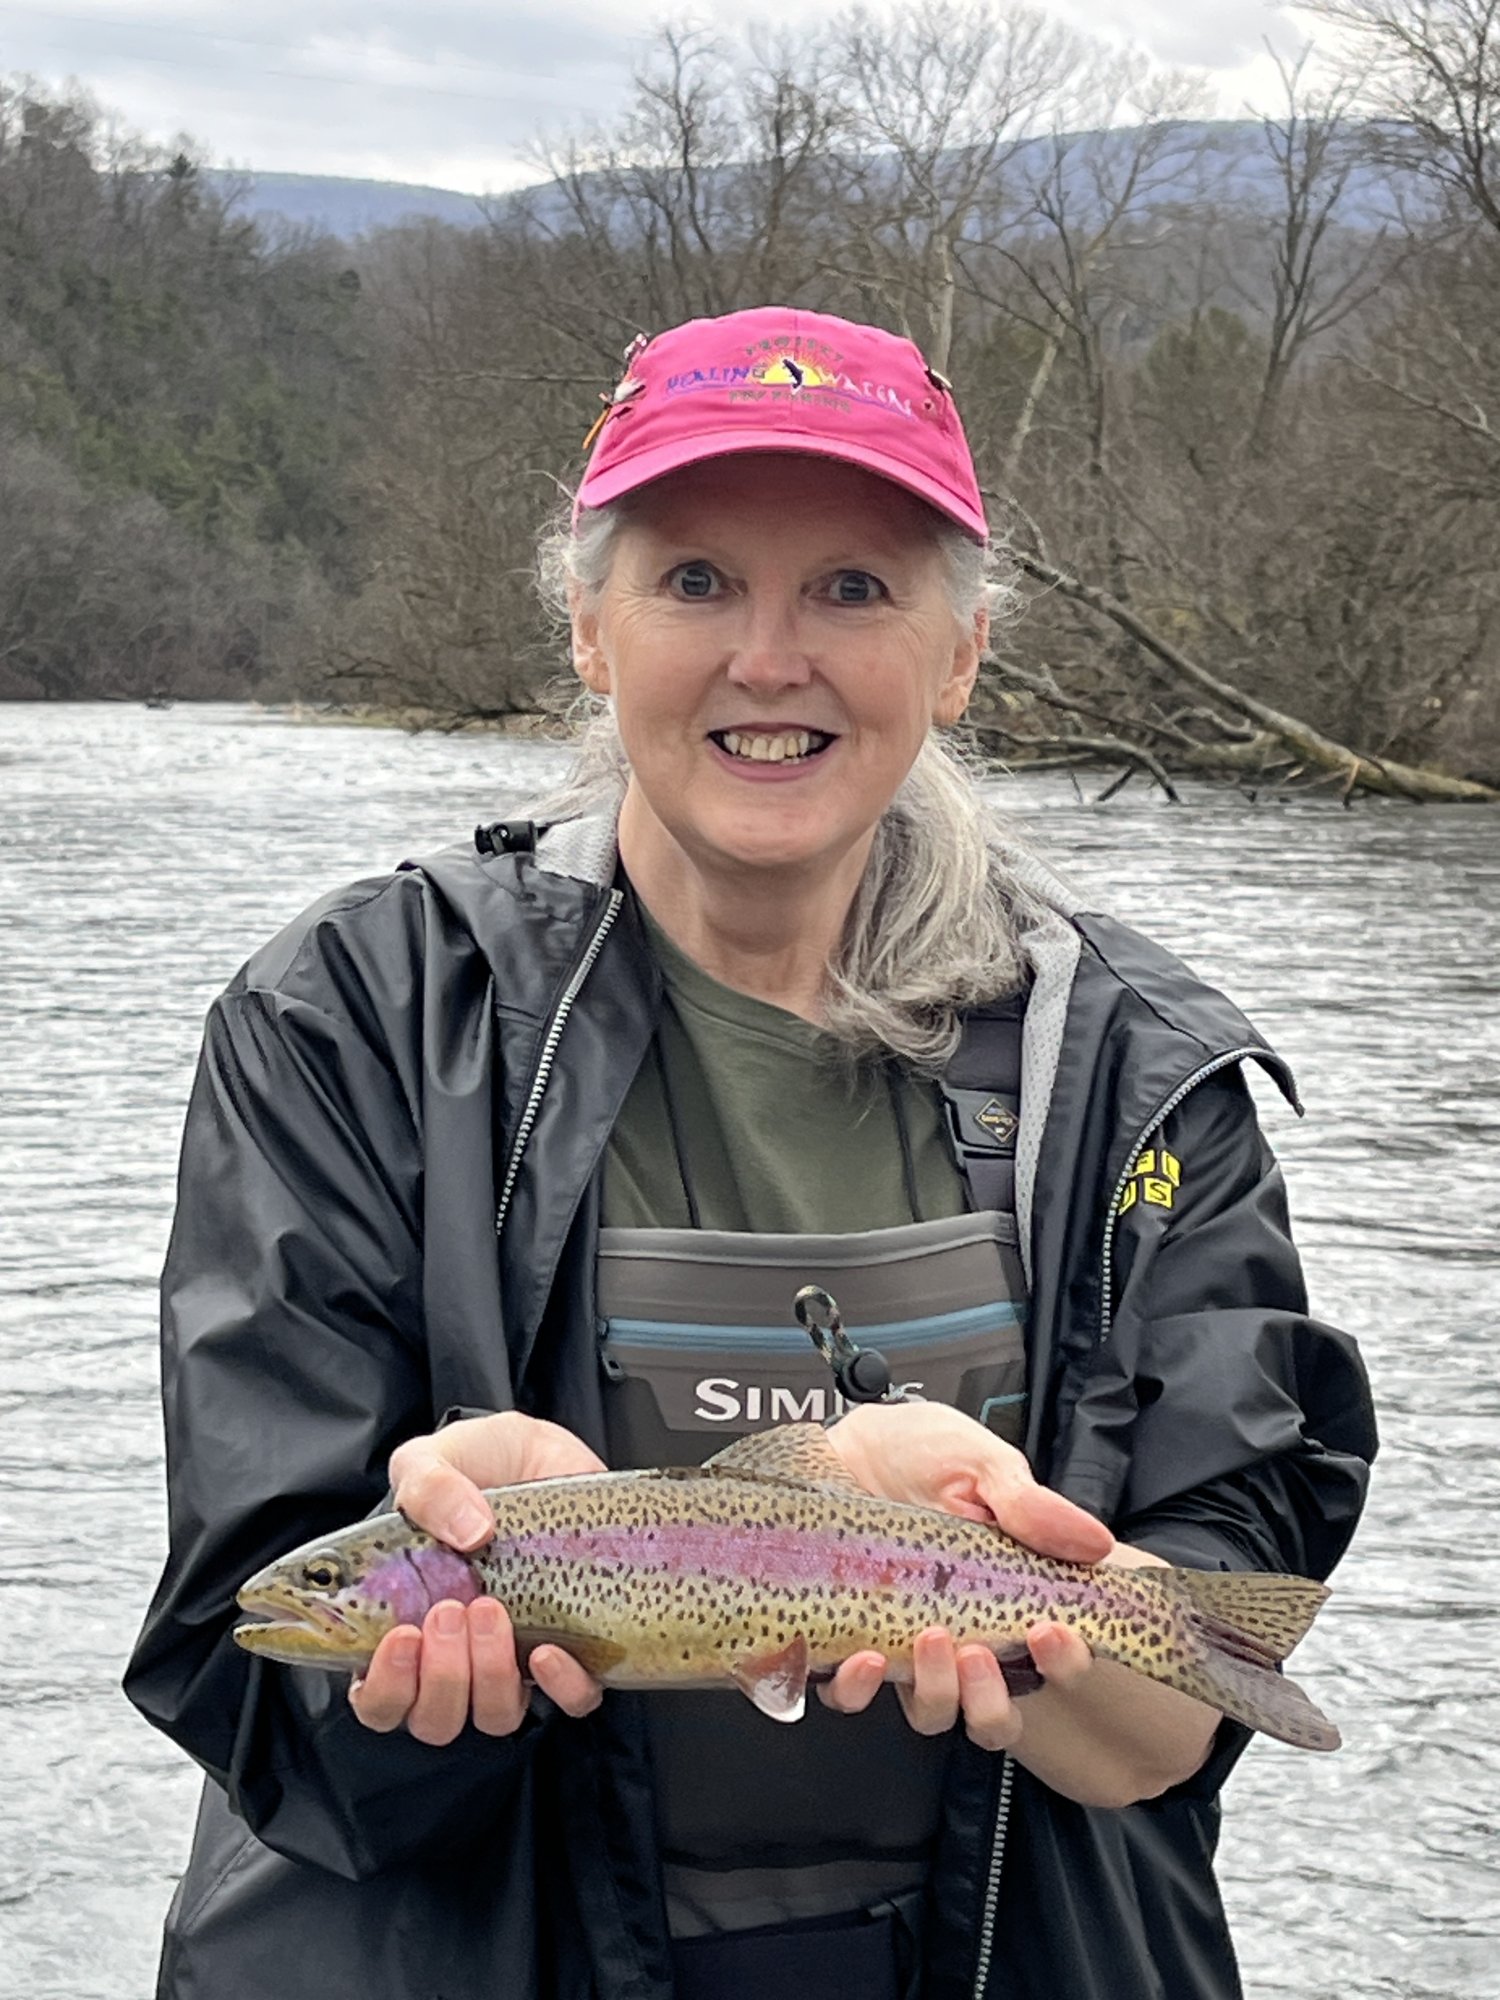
782,746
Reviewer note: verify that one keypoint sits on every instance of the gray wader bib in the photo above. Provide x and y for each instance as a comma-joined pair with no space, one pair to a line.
790,1848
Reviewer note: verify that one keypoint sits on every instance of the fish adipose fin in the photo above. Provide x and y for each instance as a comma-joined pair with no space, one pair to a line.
776,1682
1246,1624
800,1453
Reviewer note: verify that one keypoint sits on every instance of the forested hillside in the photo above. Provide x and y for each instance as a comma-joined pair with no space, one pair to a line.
1236,420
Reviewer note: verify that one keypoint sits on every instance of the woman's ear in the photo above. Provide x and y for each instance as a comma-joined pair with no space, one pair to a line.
953,696
589,662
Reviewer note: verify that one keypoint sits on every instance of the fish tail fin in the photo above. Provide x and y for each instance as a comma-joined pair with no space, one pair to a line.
1246,1623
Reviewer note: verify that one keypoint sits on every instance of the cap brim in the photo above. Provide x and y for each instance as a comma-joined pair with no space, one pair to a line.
641,468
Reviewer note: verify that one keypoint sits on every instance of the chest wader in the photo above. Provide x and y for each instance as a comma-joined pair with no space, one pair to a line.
798,1870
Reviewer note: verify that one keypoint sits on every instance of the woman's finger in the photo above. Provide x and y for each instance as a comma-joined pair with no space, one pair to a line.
438,1498
931,1702
1061,1657
499,1696
990,1716
382,1696
443,1681
855,1685
1044,1520
562,1680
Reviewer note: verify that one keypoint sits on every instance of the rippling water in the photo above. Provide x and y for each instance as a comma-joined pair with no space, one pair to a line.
148,852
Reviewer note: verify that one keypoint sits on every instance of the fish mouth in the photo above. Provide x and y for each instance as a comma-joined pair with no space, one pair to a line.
312,1632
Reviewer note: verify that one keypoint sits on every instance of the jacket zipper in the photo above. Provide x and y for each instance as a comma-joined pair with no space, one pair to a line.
1147,1131
549,1052
990,1911
992,1883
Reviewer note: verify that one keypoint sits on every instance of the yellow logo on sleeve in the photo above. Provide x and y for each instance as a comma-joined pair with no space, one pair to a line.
1154,1179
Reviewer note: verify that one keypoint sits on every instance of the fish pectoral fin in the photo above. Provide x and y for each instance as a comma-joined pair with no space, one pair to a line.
595,1656
776,1681
800,1453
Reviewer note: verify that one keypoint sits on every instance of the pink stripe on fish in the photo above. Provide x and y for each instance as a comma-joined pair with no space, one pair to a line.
772,1556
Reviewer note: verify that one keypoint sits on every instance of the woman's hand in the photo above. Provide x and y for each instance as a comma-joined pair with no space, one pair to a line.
1096,1732
462,1662
937,1457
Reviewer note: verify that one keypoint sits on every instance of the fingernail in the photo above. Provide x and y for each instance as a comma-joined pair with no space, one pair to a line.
468,1524
974,1668
405,1655
484,1619
448,1620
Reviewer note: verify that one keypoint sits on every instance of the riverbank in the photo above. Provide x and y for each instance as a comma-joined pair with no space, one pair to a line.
524,725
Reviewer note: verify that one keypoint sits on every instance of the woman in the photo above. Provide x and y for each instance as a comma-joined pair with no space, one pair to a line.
765,998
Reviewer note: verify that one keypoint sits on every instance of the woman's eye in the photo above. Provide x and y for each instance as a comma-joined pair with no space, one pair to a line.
856,586
695,579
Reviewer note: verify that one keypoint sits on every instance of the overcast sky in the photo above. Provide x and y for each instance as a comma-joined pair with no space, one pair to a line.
448,92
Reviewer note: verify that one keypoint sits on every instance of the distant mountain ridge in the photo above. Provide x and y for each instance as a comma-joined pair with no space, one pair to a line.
341,206
347,208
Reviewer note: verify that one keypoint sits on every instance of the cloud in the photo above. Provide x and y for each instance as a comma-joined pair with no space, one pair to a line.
1222,36
452,94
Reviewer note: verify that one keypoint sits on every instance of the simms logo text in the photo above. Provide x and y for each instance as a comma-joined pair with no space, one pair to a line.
722,1400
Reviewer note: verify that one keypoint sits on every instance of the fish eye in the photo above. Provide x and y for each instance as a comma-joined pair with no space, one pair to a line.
323,1572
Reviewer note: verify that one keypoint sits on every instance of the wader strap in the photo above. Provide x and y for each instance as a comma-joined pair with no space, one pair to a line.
982,1098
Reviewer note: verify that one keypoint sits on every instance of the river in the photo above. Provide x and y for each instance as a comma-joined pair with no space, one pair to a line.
148,852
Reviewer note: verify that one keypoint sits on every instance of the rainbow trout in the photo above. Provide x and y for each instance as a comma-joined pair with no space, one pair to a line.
767,1567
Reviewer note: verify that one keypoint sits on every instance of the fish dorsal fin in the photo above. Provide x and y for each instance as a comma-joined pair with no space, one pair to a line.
777,1681
799,1453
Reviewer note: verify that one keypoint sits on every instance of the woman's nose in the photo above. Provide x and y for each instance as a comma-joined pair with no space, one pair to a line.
770,653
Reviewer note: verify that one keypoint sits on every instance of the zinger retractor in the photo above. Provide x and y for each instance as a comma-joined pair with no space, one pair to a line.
860,1374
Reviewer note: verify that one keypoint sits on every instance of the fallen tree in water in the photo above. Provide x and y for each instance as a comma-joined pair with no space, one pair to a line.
1253,741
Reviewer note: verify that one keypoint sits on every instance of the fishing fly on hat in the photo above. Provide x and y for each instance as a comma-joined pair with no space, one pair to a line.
773,379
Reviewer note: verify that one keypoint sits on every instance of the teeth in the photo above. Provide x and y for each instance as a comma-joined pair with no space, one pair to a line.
772,749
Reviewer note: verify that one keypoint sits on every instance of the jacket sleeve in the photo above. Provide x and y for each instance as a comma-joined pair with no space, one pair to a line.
293,1363
1250,1430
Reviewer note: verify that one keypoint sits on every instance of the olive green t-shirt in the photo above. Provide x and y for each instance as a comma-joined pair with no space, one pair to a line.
759,1121
746,1117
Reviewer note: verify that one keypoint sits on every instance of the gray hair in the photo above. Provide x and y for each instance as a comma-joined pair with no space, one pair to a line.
936,924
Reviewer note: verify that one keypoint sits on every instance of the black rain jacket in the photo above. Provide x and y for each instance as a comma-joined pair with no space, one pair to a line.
421,1049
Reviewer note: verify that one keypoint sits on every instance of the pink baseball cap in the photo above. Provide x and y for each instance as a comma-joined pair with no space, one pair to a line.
775,379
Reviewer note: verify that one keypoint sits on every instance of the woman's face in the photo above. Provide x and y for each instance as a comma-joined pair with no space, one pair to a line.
777,639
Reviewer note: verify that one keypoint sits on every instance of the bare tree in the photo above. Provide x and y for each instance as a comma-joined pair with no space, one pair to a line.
1322,273
1084,197
1429,71
941,100
707,196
